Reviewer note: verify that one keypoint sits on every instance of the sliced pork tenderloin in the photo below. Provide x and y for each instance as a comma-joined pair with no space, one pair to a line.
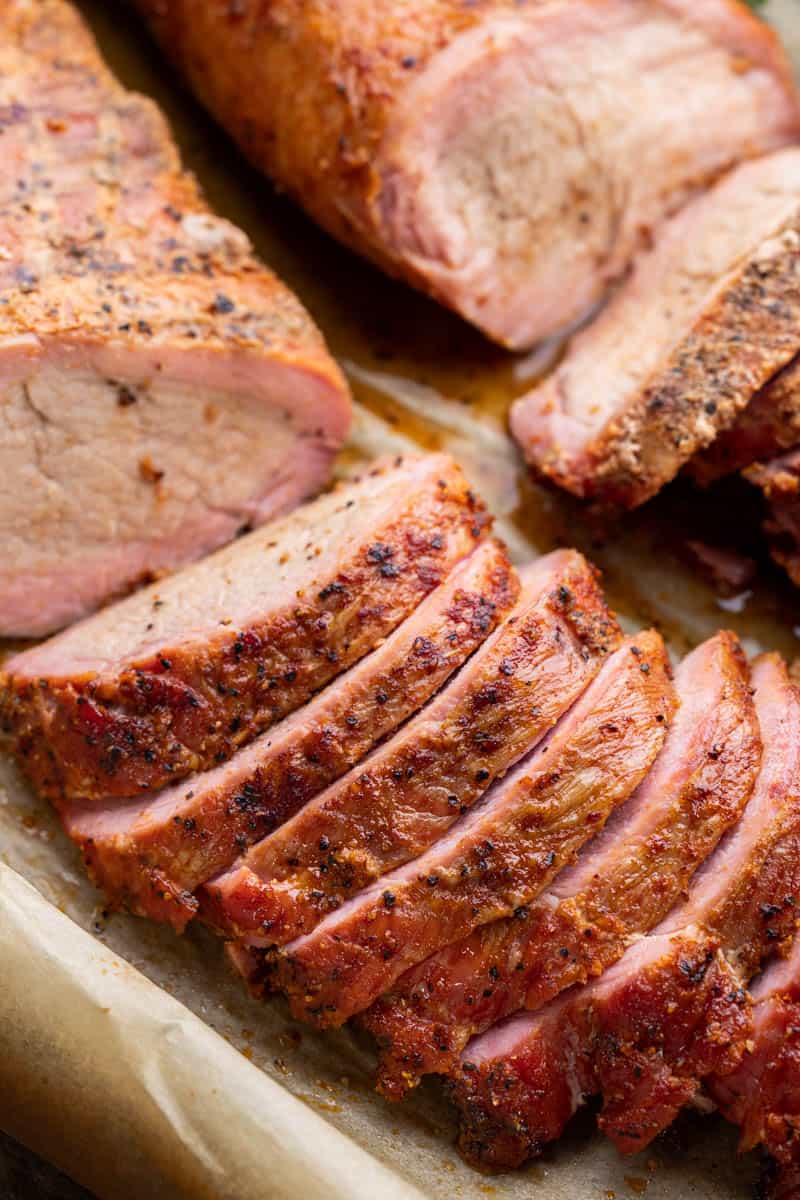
153,853
176,677
160,390
779,480
506,158
502,854
623,883
762,1095
769,424
409,792
674,1008
525,1078
707,317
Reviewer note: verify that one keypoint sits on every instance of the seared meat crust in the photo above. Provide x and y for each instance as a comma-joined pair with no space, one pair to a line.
506,158
178,676
396,803
501,855
622,884
647,1057
153,854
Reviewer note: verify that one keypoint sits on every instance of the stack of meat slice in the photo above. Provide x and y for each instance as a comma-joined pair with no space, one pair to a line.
389,576
695,361
762,1094
416,788
764,444
160,389
173,841
496,857
625,881
674,1008
507,158
707,318
769,425
422,782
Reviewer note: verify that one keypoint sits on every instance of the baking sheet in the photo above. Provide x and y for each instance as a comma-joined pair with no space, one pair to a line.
132,1087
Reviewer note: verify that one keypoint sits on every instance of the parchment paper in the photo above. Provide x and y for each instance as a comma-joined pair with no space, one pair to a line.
127,1057
140,1090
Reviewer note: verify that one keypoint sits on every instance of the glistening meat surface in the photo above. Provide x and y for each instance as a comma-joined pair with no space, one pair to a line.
499,856
706,318
153,853
409,792
673,1009
506,158
160,389
175,678
623,883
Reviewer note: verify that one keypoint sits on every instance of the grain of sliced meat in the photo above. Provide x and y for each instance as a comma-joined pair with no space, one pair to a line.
769,424
503,853
524,1079
762,1095
674,1008
705,320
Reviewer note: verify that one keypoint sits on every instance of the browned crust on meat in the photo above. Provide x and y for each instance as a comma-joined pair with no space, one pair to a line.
342,844
324,80
185,708
512,1107
425,1022
748,332
762,1095
769,424
335,73
757,914
645,1079
331,976
155,873
91,294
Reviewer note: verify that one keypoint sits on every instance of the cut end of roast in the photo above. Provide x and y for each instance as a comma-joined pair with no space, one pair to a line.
160,389
705,320
507,159
174,678
120,467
